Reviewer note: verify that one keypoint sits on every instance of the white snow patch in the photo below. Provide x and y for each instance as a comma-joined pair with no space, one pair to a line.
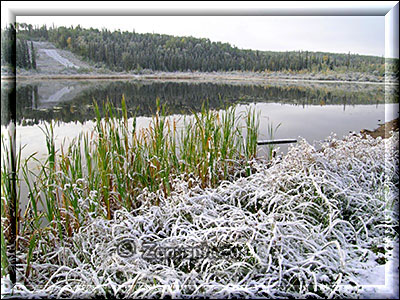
303,227
56,56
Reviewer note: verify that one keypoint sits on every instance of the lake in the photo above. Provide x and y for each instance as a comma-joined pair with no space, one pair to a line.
303,109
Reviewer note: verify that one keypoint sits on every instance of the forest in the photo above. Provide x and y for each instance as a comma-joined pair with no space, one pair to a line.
128,51
24,52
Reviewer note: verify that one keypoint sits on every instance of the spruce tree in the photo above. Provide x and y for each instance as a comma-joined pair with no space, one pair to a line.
33,54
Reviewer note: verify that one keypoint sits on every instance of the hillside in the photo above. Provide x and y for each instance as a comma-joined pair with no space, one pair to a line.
77,51
125,51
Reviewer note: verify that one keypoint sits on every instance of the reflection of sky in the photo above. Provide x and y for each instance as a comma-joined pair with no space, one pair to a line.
317,122
310,122
33,140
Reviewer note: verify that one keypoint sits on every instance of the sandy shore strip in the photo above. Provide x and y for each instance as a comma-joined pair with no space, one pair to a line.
198,77
383,130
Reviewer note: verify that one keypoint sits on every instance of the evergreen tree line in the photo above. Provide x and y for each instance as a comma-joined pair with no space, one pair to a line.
26,56
7,44
25,51
126,51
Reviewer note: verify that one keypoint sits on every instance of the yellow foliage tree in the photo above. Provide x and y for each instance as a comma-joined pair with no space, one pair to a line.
69,41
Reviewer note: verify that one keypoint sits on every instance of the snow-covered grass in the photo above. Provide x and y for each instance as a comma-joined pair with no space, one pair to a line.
57,57
310,223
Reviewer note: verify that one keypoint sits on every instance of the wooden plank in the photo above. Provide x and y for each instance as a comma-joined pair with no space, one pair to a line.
274,142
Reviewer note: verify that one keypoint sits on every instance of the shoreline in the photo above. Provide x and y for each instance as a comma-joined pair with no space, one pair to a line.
383,130
249,77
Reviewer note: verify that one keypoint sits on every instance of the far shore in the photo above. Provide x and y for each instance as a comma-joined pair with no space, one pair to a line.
245,77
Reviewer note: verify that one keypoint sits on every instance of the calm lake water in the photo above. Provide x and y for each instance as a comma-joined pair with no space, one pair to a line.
312,111
309,110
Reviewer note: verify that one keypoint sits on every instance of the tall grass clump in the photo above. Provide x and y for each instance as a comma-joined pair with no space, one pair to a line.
10,194
271,132
113,166
312,225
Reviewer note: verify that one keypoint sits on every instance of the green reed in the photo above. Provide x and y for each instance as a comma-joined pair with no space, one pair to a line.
8,196
271,131
109,167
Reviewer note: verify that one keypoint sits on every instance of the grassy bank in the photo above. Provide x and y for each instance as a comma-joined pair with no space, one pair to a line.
297,227
115,164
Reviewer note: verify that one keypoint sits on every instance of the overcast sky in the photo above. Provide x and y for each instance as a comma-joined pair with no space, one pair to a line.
361,34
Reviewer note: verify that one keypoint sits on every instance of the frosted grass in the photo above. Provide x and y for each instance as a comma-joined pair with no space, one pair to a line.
302,225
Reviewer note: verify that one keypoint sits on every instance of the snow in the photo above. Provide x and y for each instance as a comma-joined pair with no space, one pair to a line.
56,56
299,226
381,281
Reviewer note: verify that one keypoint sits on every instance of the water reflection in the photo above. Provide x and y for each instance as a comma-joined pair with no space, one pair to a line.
72,101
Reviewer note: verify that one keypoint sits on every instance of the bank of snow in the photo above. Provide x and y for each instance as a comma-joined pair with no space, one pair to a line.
314,223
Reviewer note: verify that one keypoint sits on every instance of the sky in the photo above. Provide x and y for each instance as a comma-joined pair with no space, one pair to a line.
361,34
339,34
